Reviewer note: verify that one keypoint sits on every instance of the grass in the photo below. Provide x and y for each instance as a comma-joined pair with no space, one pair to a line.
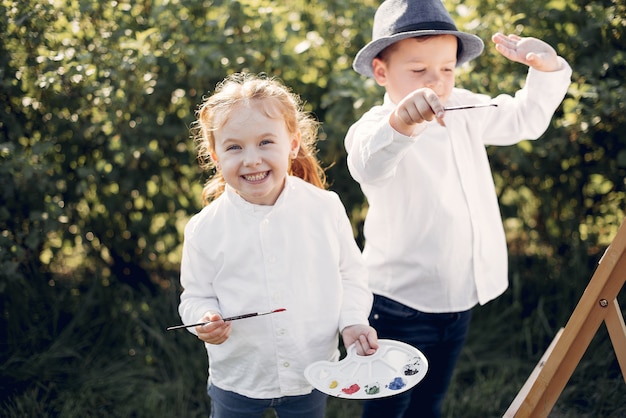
103,352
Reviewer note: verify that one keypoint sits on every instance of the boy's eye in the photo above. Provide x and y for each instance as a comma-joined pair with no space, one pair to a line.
232,147
266,141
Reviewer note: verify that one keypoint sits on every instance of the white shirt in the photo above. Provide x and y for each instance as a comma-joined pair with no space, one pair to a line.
434,239
298,254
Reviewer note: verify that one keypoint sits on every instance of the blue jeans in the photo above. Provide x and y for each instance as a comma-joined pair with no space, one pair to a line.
226,404
439,336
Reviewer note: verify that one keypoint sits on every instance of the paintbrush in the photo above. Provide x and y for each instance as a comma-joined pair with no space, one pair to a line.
470,106
230,318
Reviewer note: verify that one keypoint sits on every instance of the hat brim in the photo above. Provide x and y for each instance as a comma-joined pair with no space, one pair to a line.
472,46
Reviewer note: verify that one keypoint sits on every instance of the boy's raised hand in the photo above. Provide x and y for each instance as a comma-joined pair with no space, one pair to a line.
419,106
530,51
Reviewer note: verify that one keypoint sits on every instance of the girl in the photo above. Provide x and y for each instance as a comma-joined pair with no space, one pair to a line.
270,237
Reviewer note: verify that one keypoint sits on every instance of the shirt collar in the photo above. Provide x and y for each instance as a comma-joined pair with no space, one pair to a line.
242,204
388,103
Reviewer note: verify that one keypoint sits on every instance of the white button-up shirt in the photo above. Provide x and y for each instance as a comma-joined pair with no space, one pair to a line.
298,254
434,239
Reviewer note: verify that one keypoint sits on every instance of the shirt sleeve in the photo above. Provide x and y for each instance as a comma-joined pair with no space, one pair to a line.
357,298
374,147
196,273
528,113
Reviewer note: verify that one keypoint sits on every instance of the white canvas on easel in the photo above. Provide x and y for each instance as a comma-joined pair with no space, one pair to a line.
598,304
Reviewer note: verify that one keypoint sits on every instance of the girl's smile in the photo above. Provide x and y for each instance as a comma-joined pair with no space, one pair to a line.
256,177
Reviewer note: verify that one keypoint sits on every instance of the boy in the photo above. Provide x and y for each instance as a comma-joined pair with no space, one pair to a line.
435,244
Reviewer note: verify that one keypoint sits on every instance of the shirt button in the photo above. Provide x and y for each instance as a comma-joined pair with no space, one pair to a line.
271,259
281,331
286,364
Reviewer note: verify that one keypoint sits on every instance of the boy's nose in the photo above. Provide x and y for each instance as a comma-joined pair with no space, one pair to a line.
432,80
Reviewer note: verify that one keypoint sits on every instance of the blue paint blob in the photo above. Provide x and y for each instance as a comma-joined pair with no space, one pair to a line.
396,384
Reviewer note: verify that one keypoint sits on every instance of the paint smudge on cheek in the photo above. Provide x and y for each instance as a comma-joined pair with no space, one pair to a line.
396,384
354,388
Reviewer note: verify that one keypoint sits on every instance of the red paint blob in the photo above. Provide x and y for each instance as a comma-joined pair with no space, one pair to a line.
354,388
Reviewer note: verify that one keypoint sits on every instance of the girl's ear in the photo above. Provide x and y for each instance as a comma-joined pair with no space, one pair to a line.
379,68
216,161
295,145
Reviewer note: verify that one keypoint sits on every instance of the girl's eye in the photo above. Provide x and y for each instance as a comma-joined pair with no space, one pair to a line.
266,141
232,147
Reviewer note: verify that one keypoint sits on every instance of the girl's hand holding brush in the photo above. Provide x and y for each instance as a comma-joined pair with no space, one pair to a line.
216,331
213,329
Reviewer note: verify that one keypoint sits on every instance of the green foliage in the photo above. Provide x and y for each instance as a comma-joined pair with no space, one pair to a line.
101,352
98,177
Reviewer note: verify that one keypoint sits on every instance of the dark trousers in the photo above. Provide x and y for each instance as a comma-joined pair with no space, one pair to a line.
226,404
440,337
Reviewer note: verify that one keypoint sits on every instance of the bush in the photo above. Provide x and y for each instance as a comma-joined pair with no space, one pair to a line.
98,177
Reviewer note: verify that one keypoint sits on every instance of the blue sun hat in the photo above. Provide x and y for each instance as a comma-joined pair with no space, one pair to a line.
400,19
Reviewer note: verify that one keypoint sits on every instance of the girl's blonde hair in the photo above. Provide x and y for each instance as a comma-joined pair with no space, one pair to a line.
275,100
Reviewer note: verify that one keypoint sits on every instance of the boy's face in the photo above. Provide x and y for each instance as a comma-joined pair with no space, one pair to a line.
415,63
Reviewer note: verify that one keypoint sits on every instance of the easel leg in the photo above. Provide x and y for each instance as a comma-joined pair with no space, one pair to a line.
617,331
521,396
549,378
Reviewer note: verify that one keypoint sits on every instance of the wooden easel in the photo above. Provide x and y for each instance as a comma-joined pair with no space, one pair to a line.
597,304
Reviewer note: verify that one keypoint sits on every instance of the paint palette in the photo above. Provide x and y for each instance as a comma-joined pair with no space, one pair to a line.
395,368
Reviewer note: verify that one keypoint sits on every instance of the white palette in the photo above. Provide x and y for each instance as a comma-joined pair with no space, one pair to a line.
395,368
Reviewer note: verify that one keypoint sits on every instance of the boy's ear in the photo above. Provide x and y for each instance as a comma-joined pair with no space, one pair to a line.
379,69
